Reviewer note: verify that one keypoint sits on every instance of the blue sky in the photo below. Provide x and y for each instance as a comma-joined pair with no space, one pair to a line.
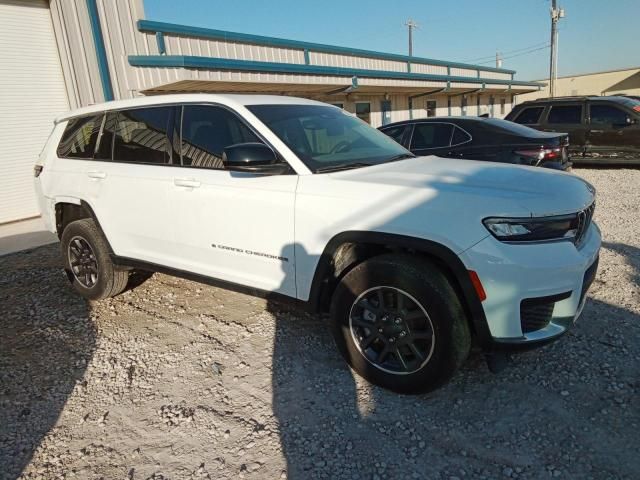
595,35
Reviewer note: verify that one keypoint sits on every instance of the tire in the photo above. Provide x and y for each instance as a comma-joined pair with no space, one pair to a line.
87,262
428,303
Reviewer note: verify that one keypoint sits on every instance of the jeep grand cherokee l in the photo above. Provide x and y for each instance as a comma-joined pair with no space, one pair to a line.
414,258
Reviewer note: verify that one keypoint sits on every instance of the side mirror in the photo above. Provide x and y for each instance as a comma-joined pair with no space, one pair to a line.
252,157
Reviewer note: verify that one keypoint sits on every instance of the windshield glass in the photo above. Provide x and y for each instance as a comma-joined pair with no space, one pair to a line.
325,137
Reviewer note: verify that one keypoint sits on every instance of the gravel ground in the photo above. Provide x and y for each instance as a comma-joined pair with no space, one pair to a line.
177,380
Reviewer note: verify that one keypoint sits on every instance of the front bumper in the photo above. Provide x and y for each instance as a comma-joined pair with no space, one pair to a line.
513,273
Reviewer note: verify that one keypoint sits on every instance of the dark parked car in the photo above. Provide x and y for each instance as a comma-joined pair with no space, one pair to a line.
477,138
601,129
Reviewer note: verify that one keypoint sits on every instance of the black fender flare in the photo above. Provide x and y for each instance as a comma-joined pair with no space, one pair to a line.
443,254
84,205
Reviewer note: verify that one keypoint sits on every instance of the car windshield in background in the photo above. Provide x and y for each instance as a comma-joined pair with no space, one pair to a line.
630,102
326,138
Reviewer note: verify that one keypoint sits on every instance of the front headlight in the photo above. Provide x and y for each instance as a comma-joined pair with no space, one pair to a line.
541,229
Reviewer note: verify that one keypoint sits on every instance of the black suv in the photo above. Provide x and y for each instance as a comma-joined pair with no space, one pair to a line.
601,129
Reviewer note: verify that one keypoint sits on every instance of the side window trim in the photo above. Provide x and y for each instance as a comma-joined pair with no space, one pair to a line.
469,136
181,106
97,146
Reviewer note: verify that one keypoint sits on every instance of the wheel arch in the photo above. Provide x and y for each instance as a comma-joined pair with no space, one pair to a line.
347,249
68,211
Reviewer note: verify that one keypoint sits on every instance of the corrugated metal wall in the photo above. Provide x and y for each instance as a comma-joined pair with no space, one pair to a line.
122,38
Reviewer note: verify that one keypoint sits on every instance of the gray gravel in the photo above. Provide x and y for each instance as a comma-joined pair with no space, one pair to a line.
177,380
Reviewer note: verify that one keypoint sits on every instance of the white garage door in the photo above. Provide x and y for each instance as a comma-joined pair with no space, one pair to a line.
32,94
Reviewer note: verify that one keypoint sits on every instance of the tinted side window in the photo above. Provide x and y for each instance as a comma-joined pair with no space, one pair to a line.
431,135
80,137
529,116
206,131
396,133
459,136
140,135
565,114
606,114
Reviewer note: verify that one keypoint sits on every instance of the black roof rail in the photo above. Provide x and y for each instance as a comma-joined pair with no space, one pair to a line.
576,97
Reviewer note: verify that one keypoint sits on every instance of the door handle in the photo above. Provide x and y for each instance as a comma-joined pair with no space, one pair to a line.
97,175
186,182
597,131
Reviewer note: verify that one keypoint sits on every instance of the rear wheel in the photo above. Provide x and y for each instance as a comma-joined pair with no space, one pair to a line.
87,262
398,322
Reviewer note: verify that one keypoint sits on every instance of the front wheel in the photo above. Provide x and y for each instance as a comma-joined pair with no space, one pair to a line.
398,322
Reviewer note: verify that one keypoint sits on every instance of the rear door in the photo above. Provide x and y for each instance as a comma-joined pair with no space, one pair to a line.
570,118
128,183
612,131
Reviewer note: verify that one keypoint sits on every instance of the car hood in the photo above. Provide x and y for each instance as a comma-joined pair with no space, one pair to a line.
538,191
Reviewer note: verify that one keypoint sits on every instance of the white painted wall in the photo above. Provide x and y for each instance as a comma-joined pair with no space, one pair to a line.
32,94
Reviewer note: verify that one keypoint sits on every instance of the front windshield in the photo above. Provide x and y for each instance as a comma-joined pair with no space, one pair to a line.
325,137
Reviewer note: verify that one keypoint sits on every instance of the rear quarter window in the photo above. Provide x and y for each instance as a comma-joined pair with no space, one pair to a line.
395,132
80,137
529,116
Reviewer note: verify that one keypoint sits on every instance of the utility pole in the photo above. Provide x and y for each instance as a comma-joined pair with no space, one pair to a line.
556,14
498,60
411,25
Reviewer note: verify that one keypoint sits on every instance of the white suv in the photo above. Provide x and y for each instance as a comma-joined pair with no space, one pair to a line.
415,258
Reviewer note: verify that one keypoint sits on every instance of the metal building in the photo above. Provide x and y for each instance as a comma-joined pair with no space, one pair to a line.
625,81
62,54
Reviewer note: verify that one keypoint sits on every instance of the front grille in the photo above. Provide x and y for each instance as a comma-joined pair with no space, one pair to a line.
584,221
535,313
535,317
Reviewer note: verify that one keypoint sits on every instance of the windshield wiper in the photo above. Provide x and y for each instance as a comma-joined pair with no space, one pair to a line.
401,156
345,166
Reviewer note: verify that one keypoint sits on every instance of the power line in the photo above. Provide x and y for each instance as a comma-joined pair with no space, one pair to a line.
509,51
518,55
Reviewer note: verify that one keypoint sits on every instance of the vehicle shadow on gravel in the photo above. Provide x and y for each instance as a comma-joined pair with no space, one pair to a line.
46,342
631,255
567,409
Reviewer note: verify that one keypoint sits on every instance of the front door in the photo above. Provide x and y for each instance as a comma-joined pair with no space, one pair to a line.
233,226
611,131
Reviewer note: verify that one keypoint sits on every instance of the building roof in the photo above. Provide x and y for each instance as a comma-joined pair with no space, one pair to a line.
195,48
